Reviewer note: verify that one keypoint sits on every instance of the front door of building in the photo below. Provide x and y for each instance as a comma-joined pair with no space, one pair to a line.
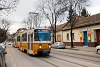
98,37
85,38
58,37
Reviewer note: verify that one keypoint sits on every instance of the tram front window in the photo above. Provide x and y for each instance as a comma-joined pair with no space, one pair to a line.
42,36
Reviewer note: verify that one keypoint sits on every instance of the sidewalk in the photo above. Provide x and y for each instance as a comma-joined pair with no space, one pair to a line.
82,48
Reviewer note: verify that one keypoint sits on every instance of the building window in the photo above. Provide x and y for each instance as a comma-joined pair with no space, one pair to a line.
67,36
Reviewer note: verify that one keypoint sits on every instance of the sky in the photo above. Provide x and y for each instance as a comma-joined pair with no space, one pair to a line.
26,6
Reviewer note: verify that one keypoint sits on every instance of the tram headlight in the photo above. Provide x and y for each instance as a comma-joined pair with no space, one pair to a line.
40,46
49,46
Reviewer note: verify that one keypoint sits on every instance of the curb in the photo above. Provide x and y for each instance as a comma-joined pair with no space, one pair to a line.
72,48
80,49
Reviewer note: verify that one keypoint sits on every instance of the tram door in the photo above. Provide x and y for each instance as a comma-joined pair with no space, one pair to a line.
30,40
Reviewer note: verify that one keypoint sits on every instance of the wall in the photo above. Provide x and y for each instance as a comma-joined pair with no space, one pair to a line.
76,41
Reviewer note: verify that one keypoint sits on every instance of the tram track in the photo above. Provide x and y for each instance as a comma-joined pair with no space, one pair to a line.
76,53
43,59
49,62
69,61
77,56
48,59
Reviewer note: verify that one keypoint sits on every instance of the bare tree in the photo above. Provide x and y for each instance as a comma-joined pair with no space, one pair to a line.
74,10
4,26
7,6
3,36
50,10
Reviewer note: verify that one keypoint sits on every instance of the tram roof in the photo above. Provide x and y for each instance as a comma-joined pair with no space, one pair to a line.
41,28
31,30
37,28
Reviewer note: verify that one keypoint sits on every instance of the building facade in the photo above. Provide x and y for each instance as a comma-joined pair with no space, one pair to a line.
86,32
86,36
59,32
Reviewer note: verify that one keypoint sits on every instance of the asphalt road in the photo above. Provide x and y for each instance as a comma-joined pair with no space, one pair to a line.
16,58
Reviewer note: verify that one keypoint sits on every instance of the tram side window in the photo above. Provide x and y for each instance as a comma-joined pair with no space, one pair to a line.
24,37
30,36
18,39
35,36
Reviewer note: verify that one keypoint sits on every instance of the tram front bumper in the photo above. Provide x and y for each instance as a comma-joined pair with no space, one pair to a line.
44,50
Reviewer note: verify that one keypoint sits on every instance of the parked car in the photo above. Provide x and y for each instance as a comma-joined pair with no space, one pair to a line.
58,45
2,55
98,48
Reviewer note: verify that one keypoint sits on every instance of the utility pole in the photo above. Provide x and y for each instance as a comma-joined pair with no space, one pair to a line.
33,19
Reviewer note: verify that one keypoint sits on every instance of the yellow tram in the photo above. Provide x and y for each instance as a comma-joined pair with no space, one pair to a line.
35,41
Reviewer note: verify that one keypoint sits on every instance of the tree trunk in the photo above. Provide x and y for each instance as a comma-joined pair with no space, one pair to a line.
53,35
53,38
55,31
55,27
71,38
